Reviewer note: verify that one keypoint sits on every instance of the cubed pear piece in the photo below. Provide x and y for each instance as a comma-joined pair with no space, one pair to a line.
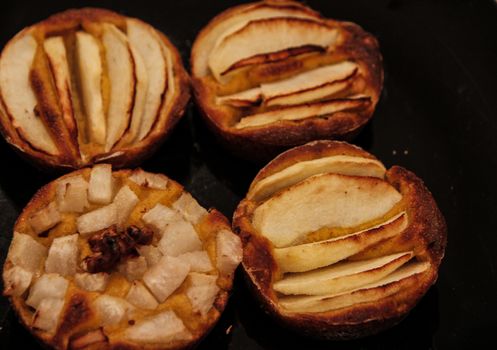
309,256
295,173
327,200
199,261
159,217
97,219
165,277
26,252
162,327
189,208
125,201
63,256
49,285
202,292
133,268
179,237
92,282
47,315
72,194
143,178
228,251
150,253
16,280
140,297
90,72
45,218
101,185
111,310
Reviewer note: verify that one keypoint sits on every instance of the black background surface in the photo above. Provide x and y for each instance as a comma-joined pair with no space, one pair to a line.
437,117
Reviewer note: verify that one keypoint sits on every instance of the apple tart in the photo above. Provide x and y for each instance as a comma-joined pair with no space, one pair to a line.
335,245
275,74
114,260
87,86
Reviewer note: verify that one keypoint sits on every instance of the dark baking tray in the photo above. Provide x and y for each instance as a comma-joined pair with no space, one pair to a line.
437,117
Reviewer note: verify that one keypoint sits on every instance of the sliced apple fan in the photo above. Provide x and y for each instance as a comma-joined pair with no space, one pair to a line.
338,191
112,102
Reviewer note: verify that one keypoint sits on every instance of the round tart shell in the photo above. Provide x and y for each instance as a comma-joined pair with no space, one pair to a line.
426,234
77,313
263,142
127,156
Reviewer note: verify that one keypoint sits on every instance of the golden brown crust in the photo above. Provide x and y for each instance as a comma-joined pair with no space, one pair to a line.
78,317
131,155
265,141
426,234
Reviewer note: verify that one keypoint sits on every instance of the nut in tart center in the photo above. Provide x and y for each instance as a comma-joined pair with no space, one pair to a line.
345,243
119,259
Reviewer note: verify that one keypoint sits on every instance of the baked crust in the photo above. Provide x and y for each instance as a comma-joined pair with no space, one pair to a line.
79,316
263,142
425,235
68,156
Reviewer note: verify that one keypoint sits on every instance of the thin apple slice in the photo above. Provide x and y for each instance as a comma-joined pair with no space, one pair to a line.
146,41
299,112
221,29
241,99
101,184
57,56
141,90
342,276
308,80
401,279
63,256
45,218
90,73
326,200
17,95
279,34
160,328
121,72
325,91
310,256
339,164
